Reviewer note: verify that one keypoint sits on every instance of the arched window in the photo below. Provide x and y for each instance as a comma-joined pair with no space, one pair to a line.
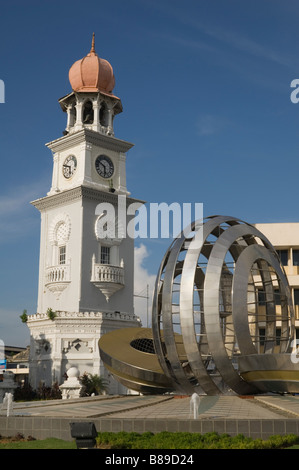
61,238
73,115
88,112
104,114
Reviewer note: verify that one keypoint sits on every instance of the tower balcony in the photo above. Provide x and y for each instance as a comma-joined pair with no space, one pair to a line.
58,278
109,279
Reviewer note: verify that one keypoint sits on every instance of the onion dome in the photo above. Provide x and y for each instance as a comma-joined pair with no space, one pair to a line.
92,73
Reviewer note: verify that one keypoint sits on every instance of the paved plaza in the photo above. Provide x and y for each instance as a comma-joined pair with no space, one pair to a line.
259,416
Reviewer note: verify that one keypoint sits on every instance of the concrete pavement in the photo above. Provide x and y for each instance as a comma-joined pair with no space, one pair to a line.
259,416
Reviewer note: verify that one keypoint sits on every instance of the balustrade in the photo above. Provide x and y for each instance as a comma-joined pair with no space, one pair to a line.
108,273
59,273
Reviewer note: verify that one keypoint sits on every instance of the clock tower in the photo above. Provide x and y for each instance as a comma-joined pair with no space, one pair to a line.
86,272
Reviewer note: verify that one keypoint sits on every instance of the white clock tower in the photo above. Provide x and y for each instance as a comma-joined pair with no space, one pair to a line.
85,272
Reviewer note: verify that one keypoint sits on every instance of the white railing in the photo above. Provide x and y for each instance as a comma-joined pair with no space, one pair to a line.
59,273
107,273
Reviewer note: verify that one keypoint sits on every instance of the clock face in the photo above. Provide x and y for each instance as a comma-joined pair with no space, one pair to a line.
69,166
104,166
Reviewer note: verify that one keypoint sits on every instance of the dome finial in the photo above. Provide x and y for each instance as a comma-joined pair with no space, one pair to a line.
91,73
92,44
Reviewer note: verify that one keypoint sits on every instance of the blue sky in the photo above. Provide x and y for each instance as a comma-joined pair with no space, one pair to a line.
205,87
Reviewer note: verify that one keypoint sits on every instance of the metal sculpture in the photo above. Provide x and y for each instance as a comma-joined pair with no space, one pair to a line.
129,355
222,318
212,284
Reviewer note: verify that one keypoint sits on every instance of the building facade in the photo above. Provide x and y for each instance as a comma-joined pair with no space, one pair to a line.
285,239
86,270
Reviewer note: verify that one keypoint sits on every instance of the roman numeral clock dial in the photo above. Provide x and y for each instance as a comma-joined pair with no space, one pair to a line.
69,166
104,166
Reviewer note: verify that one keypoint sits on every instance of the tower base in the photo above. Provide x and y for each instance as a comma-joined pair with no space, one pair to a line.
71,339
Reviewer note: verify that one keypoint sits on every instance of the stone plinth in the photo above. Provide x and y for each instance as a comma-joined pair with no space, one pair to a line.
8,385
72,387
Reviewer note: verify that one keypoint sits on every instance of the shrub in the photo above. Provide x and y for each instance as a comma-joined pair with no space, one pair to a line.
49,393
51,314
169,440
24,393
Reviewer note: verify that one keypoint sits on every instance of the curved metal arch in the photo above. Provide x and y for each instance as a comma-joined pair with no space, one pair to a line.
172,365
166,352
168,331
240,281
186,303
211,292
212,312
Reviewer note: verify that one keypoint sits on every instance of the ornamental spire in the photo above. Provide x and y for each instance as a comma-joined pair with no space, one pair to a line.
92,44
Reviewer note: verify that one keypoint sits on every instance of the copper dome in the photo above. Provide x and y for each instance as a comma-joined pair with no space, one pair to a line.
92,73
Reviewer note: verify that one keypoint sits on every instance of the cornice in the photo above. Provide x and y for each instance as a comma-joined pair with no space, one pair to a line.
80,192
91,137
58,199
86,316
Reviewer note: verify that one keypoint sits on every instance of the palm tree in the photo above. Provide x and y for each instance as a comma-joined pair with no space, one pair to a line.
94,384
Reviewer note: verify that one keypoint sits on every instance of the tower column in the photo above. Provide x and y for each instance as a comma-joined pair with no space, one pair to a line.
69,123
86,158
110,120
96,115
79,123
122,172
54,188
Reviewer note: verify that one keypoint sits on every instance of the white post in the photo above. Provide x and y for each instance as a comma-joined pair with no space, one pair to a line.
96,116
68,124
194,405
110,120
79,123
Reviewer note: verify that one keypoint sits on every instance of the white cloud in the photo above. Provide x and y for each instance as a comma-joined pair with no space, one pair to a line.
17,216
242,43
235,39
16,200
144,283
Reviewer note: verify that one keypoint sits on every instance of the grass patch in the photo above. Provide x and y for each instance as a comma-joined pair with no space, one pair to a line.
50,443
162,440
185,440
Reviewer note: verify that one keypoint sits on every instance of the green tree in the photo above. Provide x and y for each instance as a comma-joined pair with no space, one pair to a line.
24,316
